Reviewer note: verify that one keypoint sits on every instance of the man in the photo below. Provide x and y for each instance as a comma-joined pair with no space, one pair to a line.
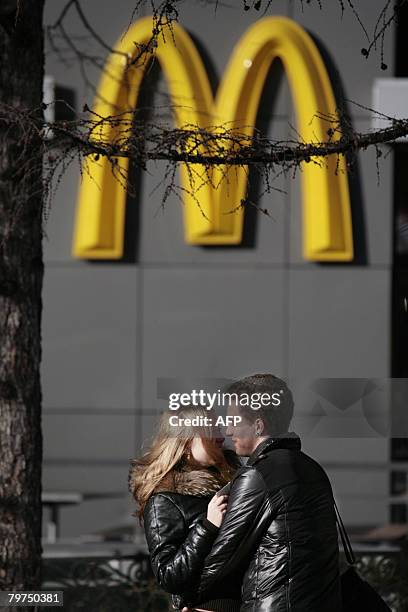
279,534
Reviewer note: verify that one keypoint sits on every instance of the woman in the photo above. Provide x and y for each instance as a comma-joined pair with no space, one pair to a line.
174,484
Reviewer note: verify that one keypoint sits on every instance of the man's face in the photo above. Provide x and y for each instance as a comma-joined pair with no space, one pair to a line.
242,434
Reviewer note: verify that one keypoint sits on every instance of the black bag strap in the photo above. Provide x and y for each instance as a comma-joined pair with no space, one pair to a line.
344,537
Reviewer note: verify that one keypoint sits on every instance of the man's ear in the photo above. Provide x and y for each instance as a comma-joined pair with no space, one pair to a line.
259,427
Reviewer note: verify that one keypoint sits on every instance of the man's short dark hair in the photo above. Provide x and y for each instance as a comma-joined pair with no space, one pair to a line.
276,418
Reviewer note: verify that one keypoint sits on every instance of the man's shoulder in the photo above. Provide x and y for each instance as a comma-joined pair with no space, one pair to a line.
313,465
282,467
248,476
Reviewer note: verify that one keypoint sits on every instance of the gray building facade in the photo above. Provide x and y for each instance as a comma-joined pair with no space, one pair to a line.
112,328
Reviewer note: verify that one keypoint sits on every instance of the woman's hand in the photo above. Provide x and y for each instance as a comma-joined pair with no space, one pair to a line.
216,509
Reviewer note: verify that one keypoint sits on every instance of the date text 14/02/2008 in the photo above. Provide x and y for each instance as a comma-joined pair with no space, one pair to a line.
204,421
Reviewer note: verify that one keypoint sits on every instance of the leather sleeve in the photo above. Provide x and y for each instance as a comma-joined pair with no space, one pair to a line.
239,535
177,554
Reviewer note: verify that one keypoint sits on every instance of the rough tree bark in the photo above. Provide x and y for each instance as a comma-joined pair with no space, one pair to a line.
21,273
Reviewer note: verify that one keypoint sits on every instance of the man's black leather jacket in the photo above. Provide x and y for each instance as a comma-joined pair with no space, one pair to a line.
279,536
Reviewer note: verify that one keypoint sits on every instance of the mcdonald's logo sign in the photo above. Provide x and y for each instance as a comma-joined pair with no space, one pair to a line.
327,230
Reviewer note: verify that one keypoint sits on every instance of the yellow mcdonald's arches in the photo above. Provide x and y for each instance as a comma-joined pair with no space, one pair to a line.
327,229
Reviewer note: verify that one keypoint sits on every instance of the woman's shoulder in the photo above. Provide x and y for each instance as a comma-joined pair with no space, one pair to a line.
161,503
163,498
169,503
162,509
164,492
172,492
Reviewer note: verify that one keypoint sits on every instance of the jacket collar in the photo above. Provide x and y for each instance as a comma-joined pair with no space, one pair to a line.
288,440
192,479
200,483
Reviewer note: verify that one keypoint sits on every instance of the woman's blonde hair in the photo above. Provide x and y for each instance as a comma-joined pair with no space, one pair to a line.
169,450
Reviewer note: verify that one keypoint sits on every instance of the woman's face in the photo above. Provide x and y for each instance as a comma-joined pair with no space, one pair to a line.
199,452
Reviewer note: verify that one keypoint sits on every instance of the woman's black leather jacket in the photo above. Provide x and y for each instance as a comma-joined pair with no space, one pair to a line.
179,536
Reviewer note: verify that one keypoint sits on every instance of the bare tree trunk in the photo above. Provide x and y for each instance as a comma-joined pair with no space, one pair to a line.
21,273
